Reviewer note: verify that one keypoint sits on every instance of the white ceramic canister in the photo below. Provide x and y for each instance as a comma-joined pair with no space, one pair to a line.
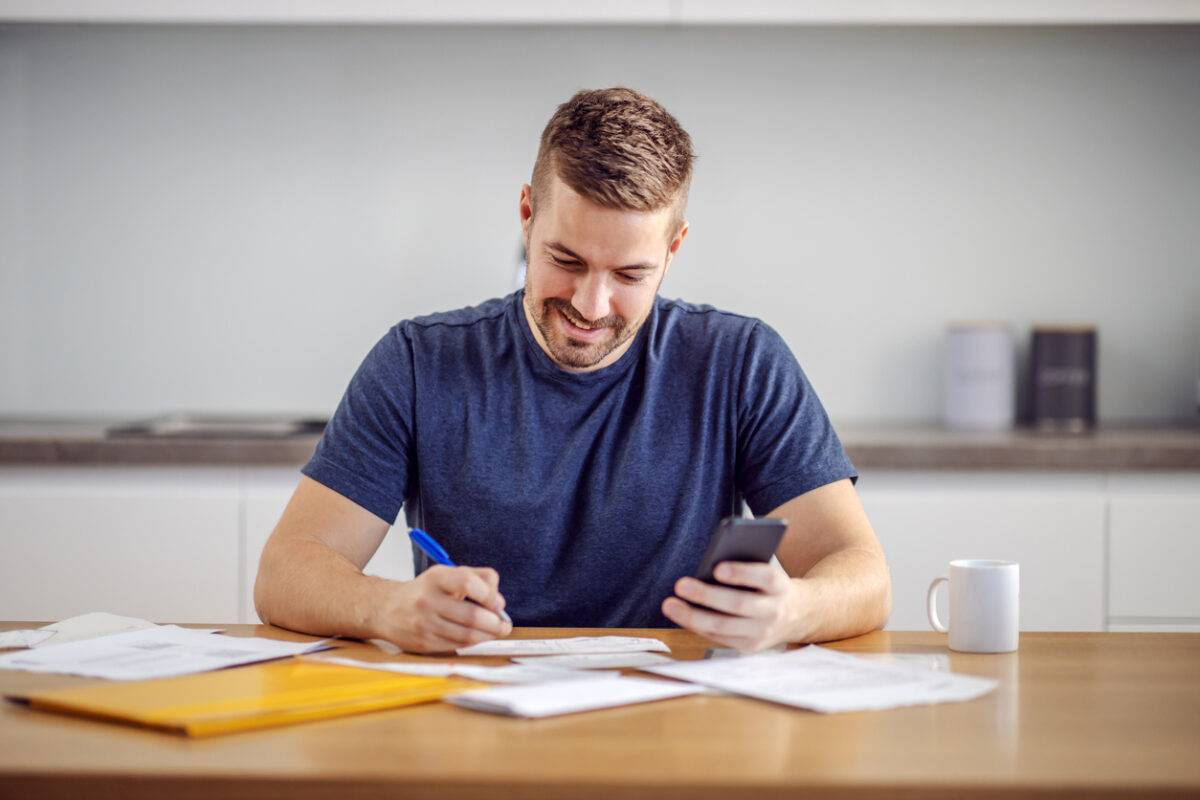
980,376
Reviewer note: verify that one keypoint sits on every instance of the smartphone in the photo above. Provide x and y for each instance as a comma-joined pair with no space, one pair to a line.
738,539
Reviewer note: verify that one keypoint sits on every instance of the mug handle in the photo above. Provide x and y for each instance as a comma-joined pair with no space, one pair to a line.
931,606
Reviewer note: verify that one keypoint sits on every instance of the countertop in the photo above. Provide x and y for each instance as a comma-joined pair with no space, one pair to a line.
1100,715
64,442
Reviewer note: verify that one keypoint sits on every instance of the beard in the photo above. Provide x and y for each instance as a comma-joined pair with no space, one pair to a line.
575,353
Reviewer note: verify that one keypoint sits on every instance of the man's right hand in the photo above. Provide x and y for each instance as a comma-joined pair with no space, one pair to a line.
441,610
310,579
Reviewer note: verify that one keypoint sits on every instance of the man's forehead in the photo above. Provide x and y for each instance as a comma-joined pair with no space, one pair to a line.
573,217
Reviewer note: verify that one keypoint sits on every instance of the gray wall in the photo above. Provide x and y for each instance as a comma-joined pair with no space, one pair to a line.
225,219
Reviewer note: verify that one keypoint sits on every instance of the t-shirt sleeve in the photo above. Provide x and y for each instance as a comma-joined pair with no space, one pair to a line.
786,444
365,453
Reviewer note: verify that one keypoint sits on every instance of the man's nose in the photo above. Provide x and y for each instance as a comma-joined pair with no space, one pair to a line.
592,297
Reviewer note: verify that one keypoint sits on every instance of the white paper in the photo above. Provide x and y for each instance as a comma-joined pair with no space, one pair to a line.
567,697
827,680
526,673
23,637
432,670
89,626
577,644
508,673
596,660
157,652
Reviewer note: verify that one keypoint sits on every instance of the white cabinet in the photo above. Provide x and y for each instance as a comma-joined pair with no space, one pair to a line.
1097,550
178,544
1053,524
158,543
1154,547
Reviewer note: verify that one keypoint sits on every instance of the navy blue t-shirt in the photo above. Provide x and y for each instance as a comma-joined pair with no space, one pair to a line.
590,493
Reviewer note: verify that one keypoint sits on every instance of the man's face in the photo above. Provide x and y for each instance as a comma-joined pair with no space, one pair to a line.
592,274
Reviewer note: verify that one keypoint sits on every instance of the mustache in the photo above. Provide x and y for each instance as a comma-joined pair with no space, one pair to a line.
571,313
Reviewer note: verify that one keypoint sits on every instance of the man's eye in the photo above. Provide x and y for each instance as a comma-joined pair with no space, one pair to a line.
559,262
632,277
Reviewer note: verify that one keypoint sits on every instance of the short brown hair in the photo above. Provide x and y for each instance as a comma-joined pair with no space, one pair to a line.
619,149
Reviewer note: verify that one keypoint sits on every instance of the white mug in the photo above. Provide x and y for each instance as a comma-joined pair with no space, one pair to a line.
984,603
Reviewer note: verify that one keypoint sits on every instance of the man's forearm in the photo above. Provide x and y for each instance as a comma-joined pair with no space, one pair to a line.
845,594
313,589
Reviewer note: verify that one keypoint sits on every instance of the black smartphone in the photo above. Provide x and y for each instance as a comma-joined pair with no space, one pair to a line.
738,539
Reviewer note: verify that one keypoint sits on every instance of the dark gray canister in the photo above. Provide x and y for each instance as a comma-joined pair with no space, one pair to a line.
1063,377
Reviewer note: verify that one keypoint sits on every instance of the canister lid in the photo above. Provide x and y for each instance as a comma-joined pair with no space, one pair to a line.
979,325
1064,328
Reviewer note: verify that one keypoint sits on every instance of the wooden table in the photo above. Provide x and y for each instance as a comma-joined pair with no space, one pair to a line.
1078,714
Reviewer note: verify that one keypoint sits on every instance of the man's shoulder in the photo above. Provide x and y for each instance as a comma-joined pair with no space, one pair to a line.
713,340
706,322
485,312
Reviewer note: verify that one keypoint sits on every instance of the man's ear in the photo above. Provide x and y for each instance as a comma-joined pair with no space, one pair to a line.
526,212
676,242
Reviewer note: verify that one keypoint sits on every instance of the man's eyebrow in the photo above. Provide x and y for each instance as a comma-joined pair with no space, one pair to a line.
572,254
562,248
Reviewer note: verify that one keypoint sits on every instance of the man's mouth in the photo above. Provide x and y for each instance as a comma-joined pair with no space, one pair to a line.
581,325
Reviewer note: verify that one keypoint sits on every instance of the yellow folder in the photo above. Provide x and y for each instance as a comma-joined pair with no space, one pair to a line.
255,696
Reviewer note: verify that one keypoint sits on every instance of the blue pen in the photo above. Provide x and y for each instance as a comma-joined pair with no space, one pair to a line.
439,554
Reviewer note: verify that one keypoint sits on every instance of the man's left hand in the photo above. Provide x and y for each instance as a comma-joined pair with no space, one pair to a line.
749,621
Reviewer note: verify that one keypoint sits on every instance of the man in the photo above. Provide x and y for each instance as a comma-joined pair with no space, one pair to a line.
578,441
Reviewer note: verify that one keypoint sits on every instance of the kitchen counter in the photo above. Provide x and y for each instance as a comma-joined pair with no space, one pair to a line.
32,442
64,442
1111,447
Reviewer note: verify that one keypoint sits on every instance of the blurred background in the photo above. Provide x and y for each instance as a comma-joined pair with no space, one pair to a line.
225,219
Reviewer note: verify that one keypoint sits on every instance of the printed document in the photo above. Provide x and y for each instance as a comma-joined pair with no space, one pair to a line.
577,644
828,680
158,652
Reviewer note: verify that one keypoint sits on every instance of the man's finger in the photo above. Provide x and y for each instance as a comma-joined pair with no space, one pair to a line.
713,624
474,583
472,615
726,599
752,575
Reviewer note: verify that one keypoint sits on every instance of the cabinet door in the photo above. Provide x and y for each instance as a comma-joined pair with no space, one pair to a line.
265,493
1051,523
1154,550
156,543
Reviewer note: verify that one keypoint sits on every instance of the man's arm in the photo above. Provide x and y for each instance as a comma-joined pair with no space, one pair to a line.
310,579
836,582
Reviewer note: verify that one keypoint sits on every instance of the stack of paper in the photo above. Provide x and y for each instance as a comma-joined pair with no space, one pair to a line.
827,680
156,652
84,626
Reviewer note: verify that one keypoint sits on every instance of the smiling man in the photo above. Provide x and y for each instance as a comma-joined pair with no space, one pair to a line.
577,442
